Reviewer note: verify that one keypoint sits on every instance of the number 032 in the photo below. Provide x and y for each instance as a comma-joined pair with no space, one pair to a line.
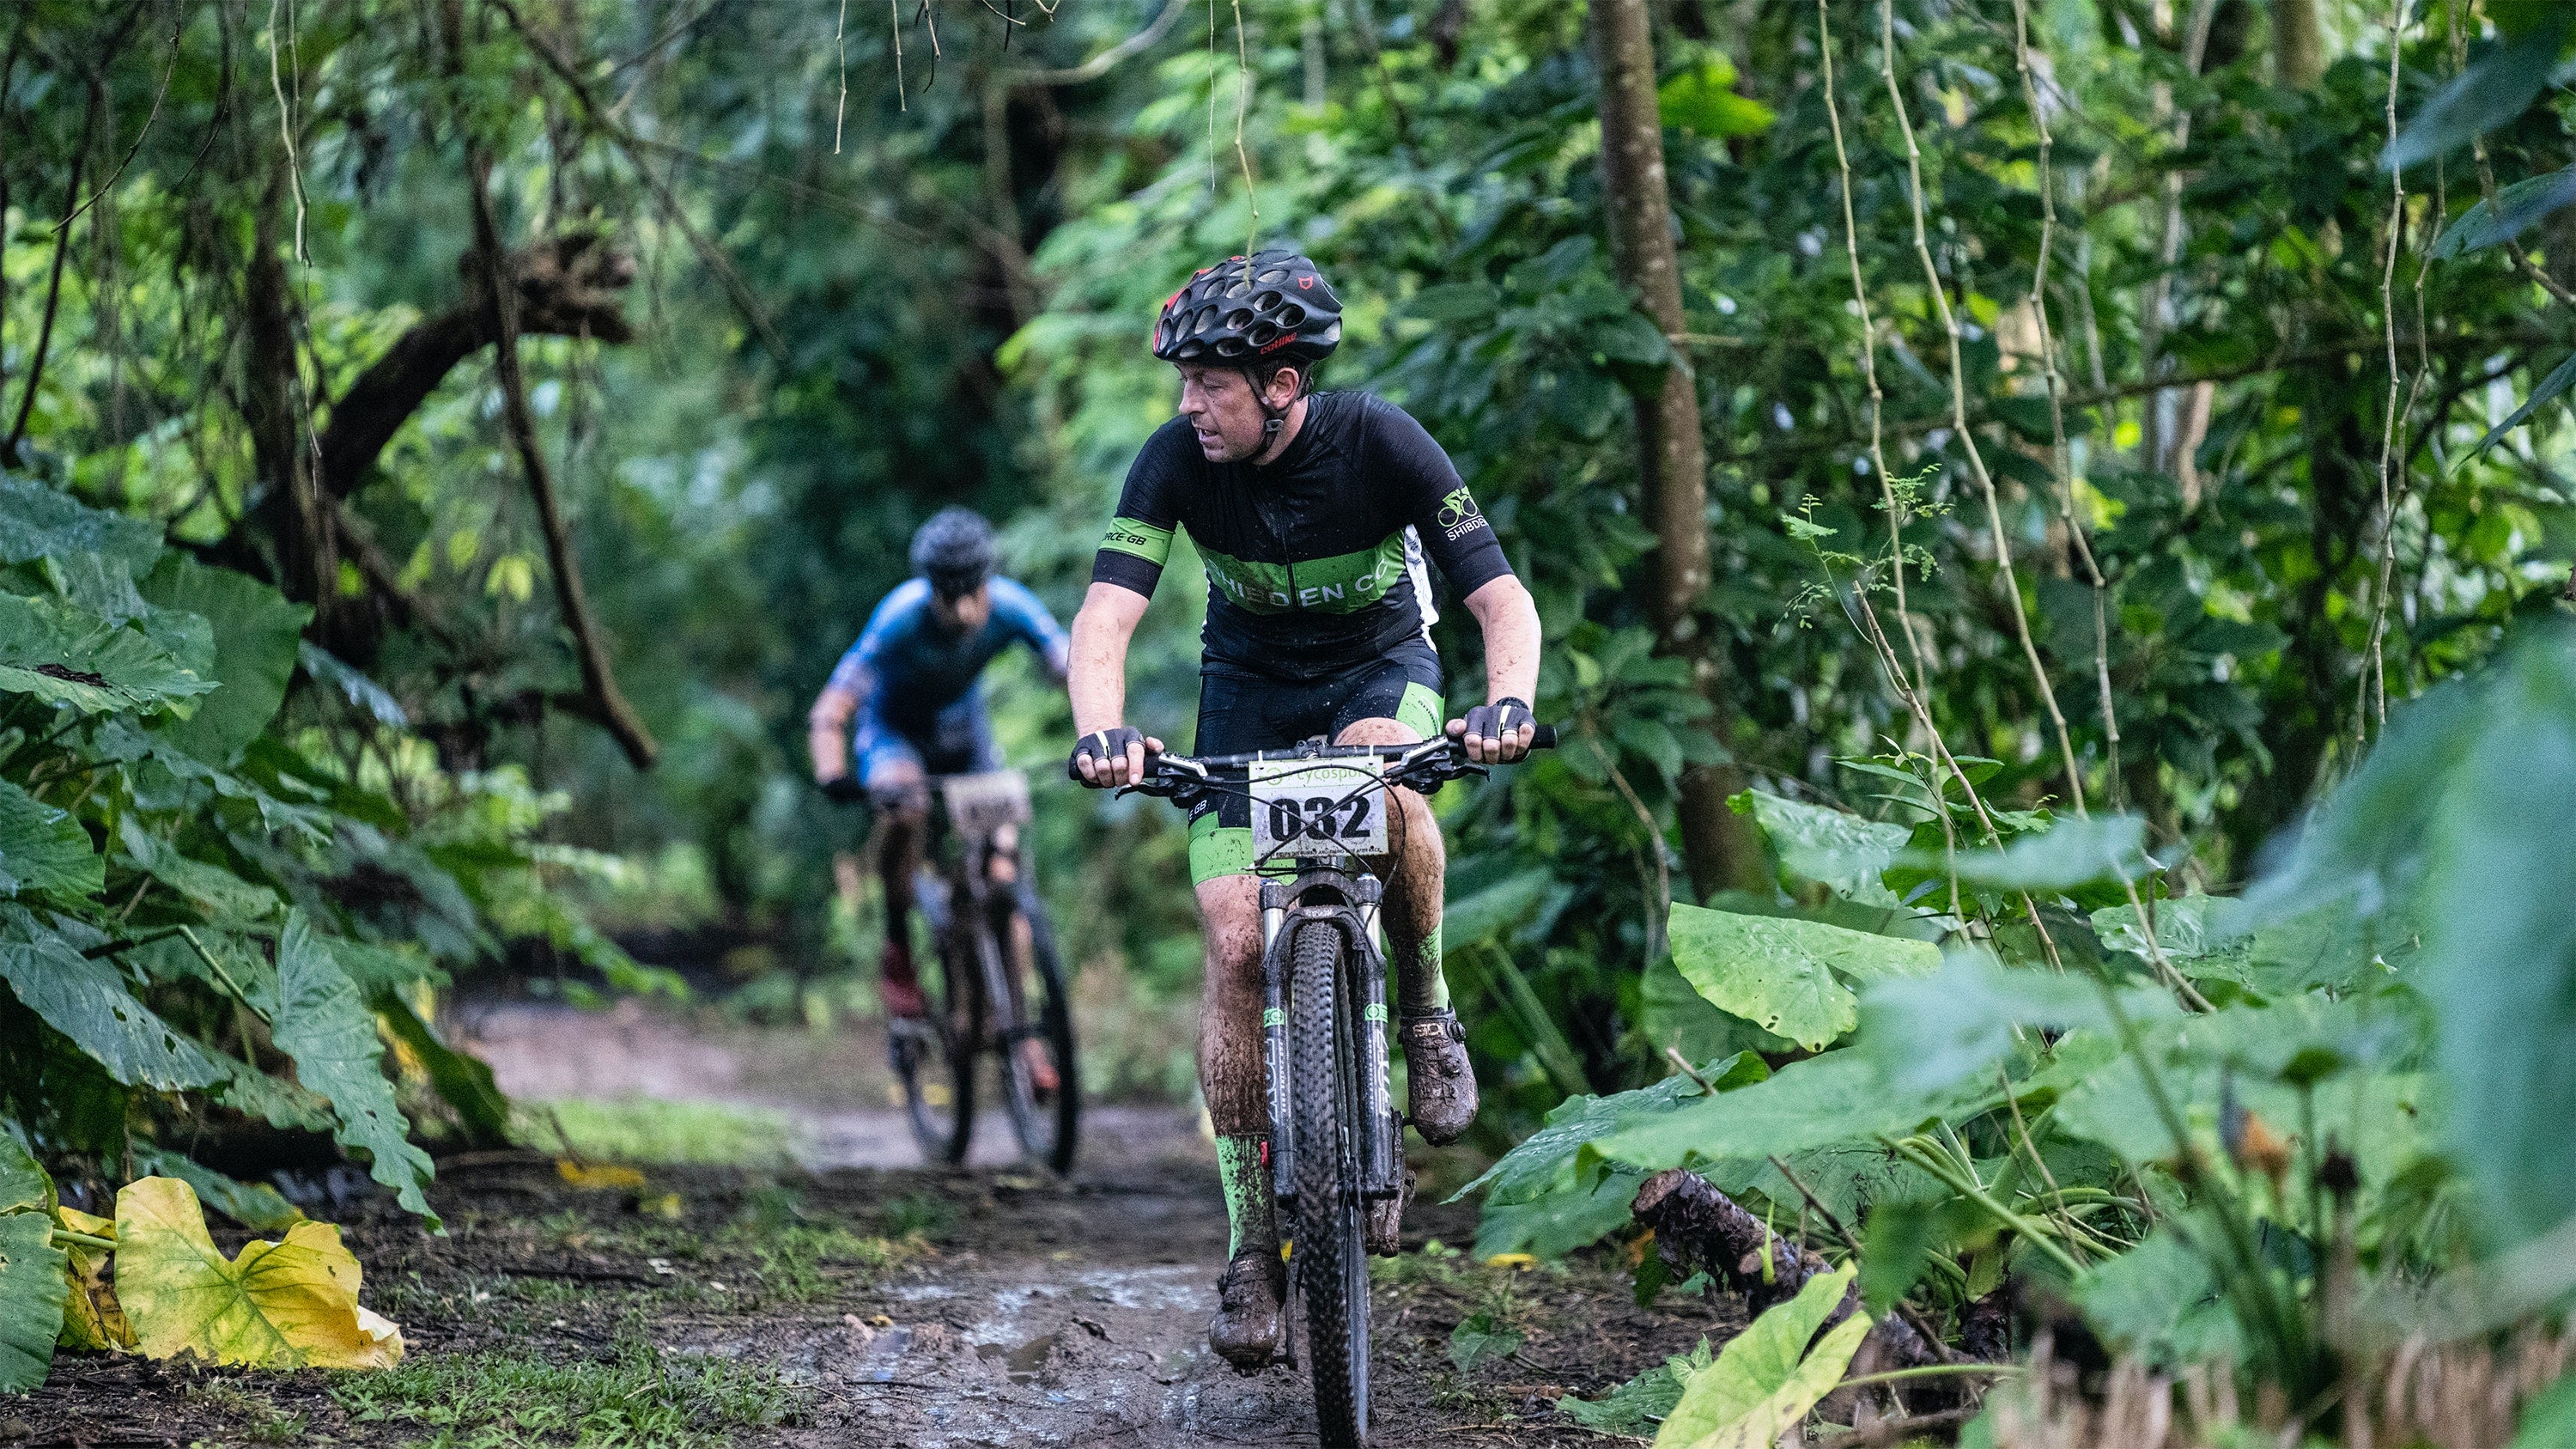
1321,817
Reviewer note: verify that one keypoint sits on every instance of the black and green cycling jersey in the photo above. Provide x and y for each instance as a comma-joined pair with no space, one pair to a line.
1315,561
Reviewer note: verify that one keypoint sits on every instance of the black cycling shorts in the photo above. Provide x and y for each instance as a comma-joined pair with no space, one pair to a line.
1243,709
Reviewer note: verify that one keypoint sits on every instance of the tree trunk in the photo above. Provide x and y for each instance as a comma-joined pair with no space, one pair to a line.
1719,848
2298,45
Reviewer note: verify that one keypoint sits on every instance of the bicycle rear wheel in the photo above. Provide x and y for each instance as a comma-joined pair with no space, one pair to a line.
1046,1116
934,1057
1330,1255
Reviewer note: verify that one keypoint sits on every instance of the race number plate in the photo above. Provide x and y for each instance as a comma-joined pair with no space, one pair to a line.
982,804
1306,808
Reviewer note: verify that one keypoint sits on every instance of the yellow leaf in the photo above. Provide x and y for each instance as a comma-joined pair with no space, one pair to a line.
582,1174
92,1318
1785,1407
279,1305
1511,1260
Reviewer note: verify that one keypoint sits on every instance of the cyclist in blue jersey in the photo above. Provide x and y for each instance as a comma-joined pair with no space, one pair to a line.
910,685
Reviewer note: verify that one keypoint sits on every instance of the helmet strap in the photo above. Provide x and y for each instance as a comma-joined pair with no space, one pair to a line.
1272,419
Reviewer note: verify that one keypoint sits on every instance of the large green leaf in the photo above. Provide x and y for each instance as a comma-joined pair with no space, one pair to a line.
1766,1378
24,1183
2071,852
256,632
1845,852
1781,973
1954,1025
324,1024
40,522
2500,943
61,653
1538,1164
87,1001
223,895
1545,1197
32,1290
43,849
1834,1098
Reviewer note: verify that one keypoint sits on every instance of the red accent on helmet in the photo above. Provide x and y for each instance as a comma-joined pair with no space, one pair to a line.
1282,340
1305,284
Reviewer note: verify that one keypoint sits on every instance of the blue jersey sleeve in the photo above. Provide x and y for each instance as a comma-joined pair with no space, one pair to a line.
862,666
1028,620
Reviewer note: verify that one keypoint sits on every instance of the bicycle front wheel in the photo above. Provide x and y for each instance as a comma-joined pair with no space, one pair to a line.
1038,1081
934,1057
1328,1231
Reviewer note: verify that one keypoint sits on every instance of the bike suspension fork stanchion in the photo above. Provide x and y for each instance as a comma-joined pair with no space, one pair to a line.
1381,1136
1274,1039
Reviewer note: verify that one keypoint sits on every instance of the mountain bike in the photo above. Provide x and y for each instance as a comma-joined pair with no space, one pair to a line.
999,987
1336,1141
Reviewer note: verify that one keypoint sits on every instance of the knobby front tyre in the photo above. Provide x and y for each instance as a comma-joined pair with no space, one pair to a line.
1047,1120
1330,1254
934,1058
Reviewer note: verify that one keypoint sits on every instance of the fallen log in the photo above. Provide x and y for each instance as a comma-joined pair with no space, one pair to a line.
1700,1229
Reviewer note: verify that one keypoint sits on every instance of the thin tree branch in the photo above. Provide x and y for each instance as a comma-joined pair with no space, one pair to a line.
628,145
617,716
1101,64
54,283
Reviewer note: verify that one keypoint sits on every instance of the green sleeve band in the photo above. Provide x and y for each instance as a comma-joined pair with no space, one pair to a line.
1144,540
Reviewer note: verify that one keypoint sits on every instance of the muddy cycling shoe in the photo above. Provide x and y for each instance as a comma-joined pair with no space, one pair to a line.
1443,1093
1249,1325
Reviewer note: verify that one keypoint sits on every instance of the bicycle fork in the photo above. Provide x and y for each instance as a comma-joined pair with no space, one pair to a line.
1381,1133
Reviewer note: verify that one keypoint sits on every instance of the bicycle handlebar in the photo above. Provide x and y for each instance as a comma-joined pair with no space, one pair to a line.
1424,764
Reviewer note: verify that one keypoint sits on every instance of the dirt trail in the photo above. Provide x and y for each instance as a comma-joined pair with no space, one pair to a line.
863,1306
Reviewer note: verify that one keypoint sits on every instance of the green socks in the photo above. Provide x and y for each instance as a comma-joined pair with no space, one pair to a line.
1420,989
1249,1201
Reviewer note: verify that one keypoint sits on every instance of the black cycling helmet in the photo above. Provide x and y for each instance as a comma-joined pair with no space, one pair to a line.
954,550
1274,308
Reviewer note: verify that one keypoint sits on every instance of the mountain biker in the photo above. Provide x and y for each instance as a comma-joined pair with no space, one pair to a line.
911,684
1313,514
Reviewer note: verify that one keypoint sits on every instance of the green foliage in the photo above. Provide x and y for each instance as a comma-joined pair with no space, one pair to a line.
31,1299
1768,1376
1789,976
632,1395
323,1023
218,885
1641,1401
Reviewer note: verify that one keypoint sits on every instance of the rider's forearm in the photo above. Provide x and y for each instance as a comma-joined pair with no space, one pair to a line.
1504,609
826,733
1097,678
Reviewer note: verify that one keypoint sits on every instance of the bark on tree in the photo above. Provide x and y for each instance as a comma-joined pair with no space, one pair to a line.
2298,44
1719,848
